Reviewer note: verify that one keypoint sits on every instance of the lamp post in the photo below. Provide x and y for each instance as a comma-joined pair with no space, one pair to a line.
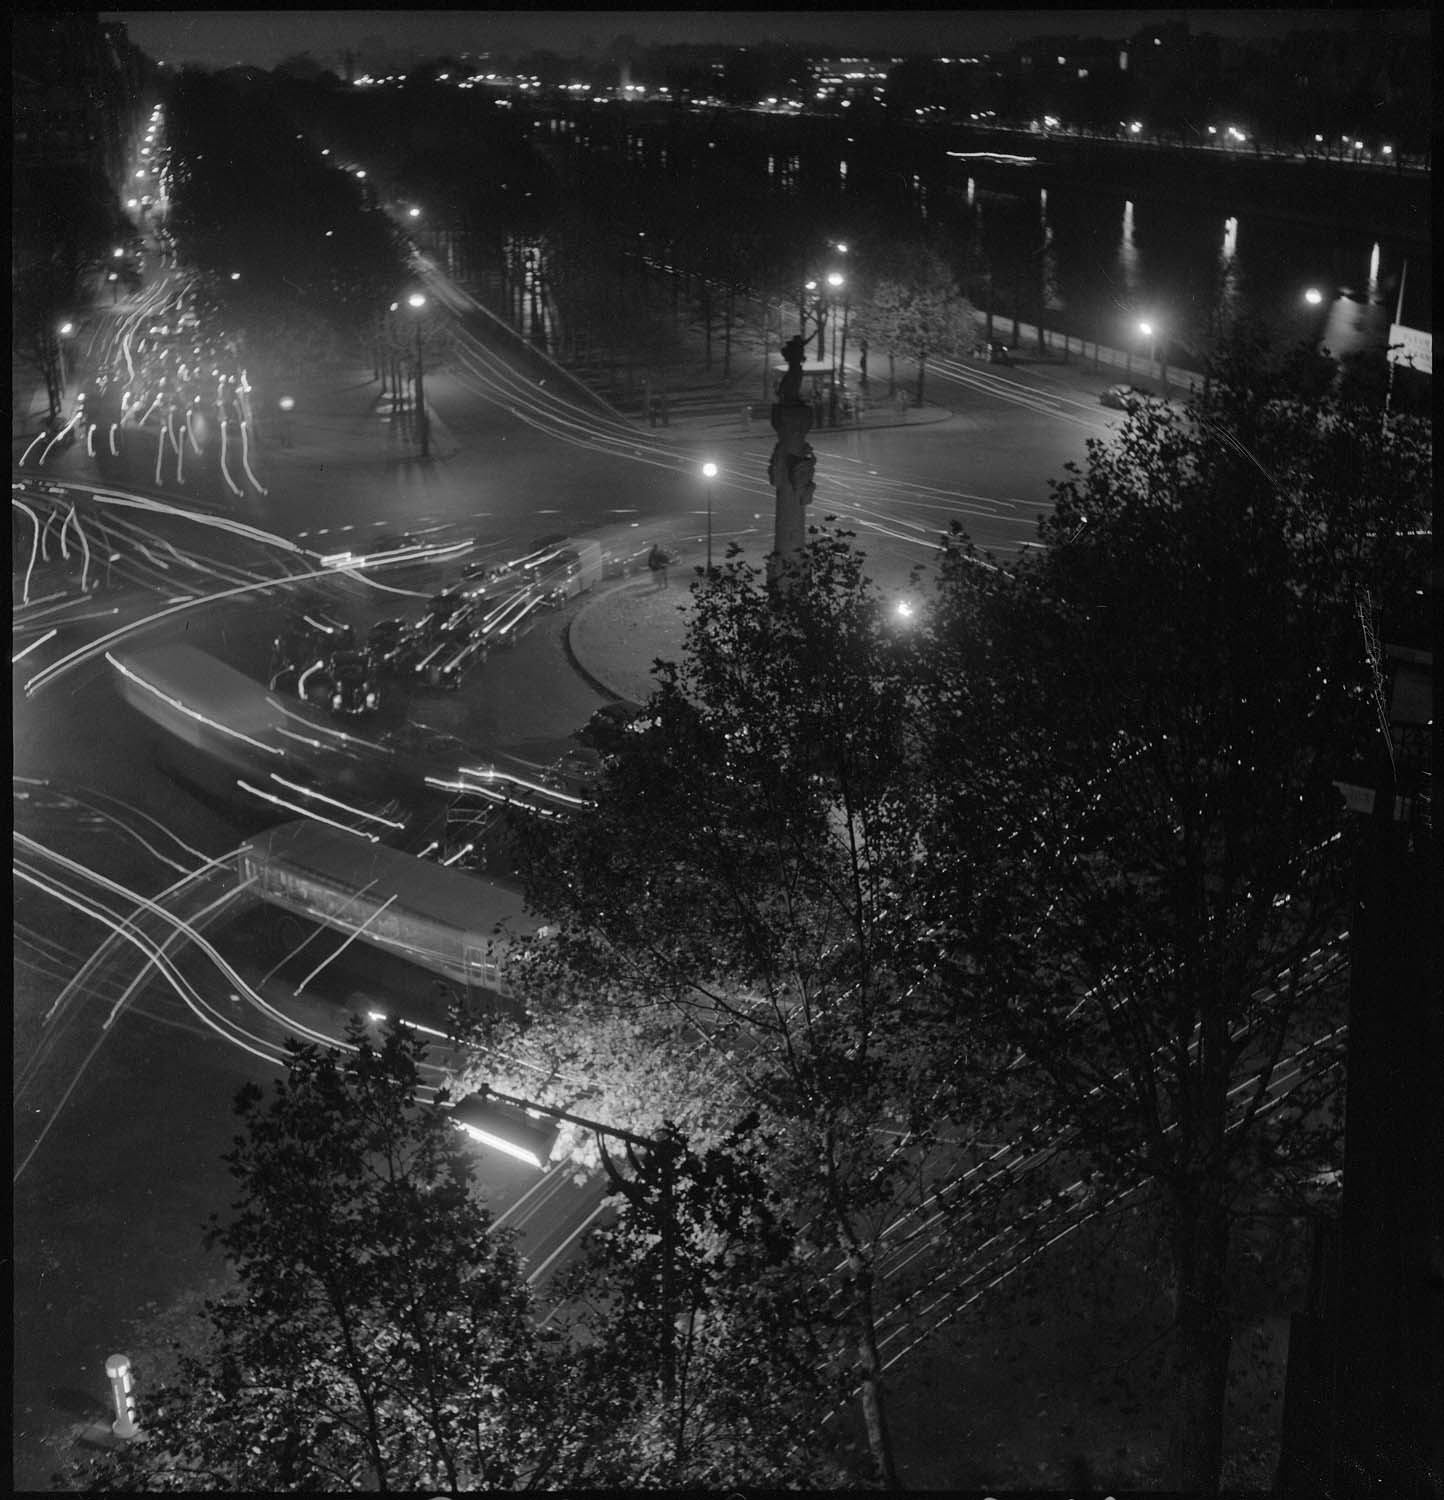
709,473
66,331
508,1130
416,301
1156,350
819,315
835,280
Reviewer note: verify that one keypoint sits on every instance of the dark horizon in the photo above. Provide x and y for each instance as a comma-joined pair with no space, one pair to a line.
265,38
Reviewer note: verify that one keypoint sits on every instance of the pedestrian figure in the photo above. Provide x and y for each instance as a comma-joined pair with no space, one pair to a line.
657,561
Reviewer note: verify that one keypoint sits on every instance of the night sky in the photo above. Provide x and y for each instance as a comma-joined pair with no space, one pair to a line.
263,38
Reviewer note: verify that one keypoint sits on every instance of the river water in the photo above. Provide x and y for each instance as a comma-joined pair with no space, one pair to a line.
1108,261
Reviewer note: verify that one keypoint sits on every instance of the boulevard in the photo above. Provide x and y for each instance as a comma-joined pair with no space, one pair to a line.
121,1115
964,944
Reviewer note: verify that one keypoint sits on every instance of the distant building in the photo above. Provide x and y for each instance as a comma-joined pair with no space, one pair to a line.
77,88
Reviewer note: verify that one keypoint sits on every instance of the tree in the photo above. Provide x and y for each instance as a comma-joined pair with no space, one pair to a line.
1147,716
917,312
751,1320
382,1335
749,863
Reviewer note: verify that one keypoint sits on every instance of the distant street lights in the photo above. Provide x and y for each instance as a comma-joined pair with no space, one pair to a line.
709,473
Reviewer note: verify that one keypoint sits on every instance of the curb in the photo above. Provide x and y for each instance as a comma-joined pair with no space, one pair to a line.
928,417
590,678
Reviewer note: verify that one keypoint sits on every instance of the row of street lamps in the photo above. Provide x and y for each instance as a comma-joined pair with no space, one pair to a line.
1153,334
416,301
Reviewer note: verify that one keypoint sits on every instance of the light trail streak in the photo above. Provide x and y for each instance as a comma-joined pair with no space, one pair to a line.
225,472
99,647
183,708
129,499
207,864
316,932
39,641
305,812
1269,1105
350,938
359,812
567,422
177,933
158,957
34,547
246,458
155,958
71,423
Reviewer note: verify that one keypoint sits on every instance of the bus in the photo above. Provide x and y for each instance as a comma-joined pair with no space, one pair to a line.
232,739
204,703
452,923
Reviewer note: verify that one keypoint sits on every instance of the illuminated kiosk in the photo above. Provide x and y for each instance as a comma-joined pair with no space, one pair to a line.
514,1126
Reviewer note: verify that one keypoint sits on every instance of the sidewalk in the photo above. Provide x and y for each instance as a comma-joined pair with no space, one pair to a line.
622,628
614,638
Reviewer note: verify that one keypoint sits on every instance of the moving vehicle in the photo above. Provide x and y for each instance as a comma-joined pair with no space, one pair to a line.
204,703
1123,397
307,636
444,920
392,644
571,570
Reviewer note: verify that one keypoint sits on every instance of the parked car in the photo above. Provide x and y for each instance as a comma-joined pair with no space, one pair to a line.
603,731
577,769
1123,397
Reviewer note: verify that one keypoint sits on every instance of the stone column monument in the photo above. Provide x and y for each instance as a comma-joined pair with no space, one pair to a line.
791,468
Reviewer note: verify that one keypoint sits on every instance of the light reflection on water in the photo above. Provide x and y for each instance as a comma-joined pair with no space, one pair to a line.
1105,256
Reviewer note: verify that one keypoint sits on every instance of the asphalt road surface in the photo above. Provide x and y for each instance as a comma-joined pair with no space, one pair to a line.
122,1094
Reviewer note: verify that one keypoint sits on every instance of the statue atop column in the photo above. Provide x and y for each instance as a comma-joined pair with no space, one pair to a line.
793,465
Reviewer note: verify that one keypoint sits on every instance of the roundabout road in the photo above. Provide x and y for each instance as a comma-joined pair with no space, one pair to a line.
119,1151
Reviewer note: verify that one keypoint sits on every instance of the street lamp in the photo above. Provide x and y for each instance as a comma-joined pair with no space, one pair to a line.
709,473
509,1124
1155,351
1313,296
835,280
66,331
416,301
